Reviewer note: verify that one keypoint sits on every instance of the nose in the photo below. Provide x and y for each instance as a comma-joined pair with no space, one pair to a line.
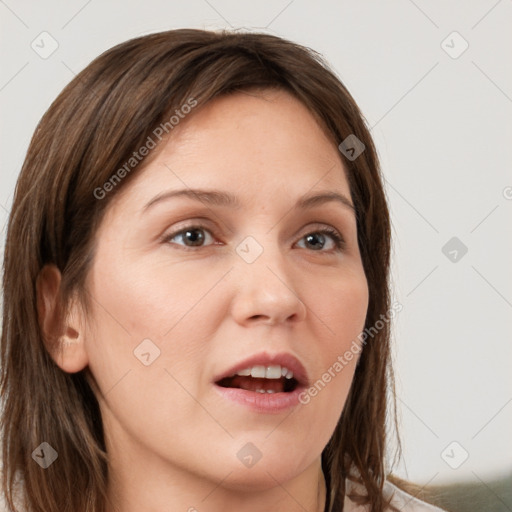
266,291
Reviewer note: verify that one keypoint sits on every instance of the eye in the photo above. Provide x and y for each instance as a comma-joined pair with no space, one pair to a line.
198,236
317,240
192,236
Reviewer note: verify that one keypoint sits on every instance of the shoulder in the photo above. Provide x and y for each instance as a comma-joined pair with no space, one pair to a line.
405,502
400,499
17,495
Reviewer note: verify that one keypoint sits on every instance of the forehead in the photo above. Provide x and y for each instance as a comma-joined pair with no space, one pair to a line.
247,142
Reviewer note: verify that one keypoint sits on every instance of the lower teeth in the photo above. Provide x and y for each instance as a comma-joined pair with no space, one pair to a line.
263,391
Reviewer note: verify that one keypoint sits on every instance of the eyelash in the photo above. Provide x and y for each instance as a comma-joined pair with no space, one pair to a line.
338,240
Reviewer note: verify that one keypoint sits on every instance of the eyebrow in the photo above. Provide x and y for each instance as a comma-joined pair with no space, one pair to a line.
220,198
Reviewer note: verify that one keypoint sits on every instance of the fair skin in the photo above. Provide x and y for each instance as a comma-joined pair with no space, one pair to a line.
172,439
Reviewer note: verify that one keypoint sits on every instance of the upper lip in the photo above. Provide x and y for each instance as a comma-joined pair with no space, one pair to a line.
267,359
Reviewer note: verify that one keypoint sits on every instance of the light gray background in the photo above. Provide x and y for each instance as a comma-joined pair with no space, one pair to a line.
442,124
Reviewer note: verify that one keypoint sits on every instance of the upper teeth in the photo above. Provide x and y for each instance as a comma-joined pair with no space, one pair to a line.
266,372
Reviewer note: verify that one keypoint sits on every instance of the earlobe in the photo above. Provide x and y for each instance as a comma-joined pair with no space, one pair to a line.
63,338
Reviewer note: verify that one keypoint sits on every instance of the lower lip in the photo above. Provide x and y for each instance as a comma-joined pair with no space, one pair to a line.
262,402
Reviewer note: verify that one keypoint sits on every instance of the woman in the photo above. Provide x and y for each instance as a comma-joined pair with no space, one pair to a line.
196,304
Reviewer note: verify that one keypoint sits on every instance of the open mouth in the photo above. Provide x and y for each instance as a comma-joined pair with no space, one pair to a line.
262,379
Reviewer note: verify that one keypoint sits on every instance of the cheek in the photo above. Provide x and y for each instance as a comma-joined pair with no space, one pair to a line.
142,298
158,315
342,306
152,313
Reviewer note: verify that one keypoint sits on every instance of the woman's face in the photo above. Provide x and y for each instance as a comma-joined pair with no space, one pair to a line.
189,289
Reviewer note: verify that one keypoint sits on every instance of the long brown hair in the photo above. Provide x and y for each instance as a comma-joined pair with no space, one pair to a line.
87,135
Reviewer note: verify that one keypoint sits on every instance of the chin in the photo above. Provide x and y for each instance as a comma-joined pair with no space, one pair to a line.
266,473
262,478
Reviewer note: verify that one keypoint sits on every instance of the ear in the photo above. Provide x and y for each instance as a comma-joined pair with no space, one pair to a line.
63,337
